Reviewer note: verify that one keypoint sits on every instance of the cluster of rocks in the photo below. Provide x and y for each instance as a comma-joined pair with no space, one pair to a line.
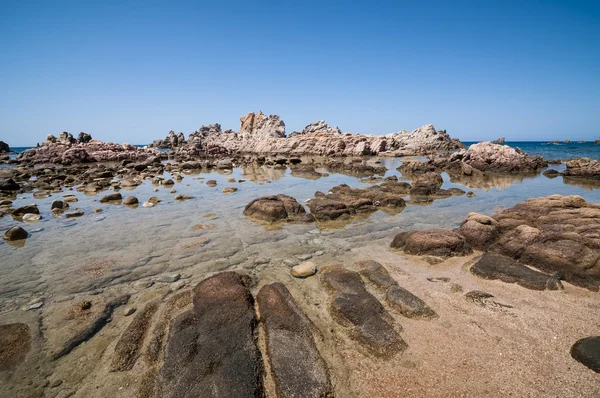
67,150
171,141
260,134
558,235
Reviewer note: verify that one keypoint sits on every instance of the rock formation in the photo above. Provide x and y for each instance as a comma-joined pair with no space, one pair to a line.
171,141
66,149
487,156
262,135
4,148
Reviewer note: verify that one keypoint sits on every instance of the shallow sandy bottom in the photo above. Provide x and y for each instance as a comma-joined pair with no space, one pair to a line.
470,350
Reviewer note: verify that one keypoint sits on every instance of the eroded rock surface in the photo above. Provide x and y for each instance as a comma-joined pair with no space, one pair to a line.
435,242
276,208
353,306
211,350
15,343
497,266
296,365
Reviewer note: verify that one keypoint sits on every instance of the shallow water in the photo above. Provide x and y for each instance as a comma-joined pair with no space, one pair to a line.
121,245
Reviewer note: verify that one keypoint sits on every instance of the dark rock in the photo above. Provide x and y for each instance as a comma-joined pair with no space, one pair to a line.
479,230
131,201
328,209
8,184
376,274
551,173
29,209
407,303
297,367
113,197
352,306
15,343
211,183
587,351
15,233
128,347
211,350
59,205
74,214
497,266
4,148
435,242
275,208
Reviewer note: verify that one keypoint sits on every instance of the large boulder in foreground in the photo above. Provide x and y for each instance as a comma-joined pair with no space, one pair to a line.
497,266
276,208
211,350
435,242
587,351
296,365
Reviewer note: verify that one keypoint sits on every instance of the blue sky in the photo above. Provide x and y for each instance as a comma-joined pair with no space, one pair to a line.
527,70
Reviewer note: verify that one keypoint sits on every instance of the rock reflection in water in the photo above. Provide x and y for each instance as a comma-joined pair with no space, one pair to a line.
489,180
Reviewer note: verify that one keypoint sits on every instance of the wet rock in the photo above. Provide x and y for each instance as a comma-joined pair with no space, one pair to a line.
228,190
436,242
29,209
407,303
479,230
497,266
328,209
275,208
8,184
129,345
211,183
31,217
168,182
68,325
304,270
583,168
74,214
352,306
148,204
587,351
15,343
113,197
130,201
154,200
296,365
551,173
168,278
15,233
211,350
58,206
182,197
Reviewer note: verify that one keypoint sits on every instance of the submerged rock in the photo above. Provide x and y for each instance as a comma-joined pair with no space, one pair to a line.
15,233
130,201
296,365
15,343
113,197
276,208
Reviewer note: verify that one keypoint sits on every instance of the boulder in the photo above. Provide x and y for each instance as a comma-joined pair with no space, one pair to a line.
211,350
479,230
497,266
8,184
587,351
131,201
275,208
4,148
435,242
28,209
296,365
113,197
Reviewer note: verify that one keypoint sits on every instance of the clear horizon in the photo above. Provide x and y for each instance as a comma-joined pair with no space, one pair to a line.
133,72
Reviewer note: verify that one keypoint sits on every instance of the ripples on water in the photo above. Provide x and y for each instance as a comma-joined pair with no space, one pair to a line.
120,244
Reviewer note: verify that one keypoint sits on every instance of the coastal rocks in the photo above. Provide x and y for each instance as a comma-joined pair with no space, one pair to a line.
304,270
211,350
170,141
497,266
328,209
587,351
479,230
276,208
130,201
15,233
583,168
58,206
113,197
228,190
28,209
211,183
296,365
318,127
487,156
397,297
67,150
8,184
258,126
4,148
435,242
15,343
351,305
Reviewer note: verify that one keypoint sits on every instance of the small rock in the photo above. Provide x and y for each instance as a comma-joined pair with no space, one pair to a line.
228,190
211,183
147,204
36,306
262,260
113,197
470,194
56,383
154,200
15,233
290,263
30,217
128,311
304,270
181,197
304,257
74,214
97,211
319,253
168,278
130,201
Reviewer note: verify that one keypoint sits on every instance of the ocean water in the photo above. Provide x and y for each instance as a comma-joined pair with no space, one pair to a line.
560,151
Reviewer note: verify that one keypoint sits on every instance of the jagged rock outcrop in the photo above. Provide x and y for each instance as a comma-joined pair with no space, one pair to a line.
258,126
583,168
500,140
487,156
171,141
66,149
262,135
4,148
